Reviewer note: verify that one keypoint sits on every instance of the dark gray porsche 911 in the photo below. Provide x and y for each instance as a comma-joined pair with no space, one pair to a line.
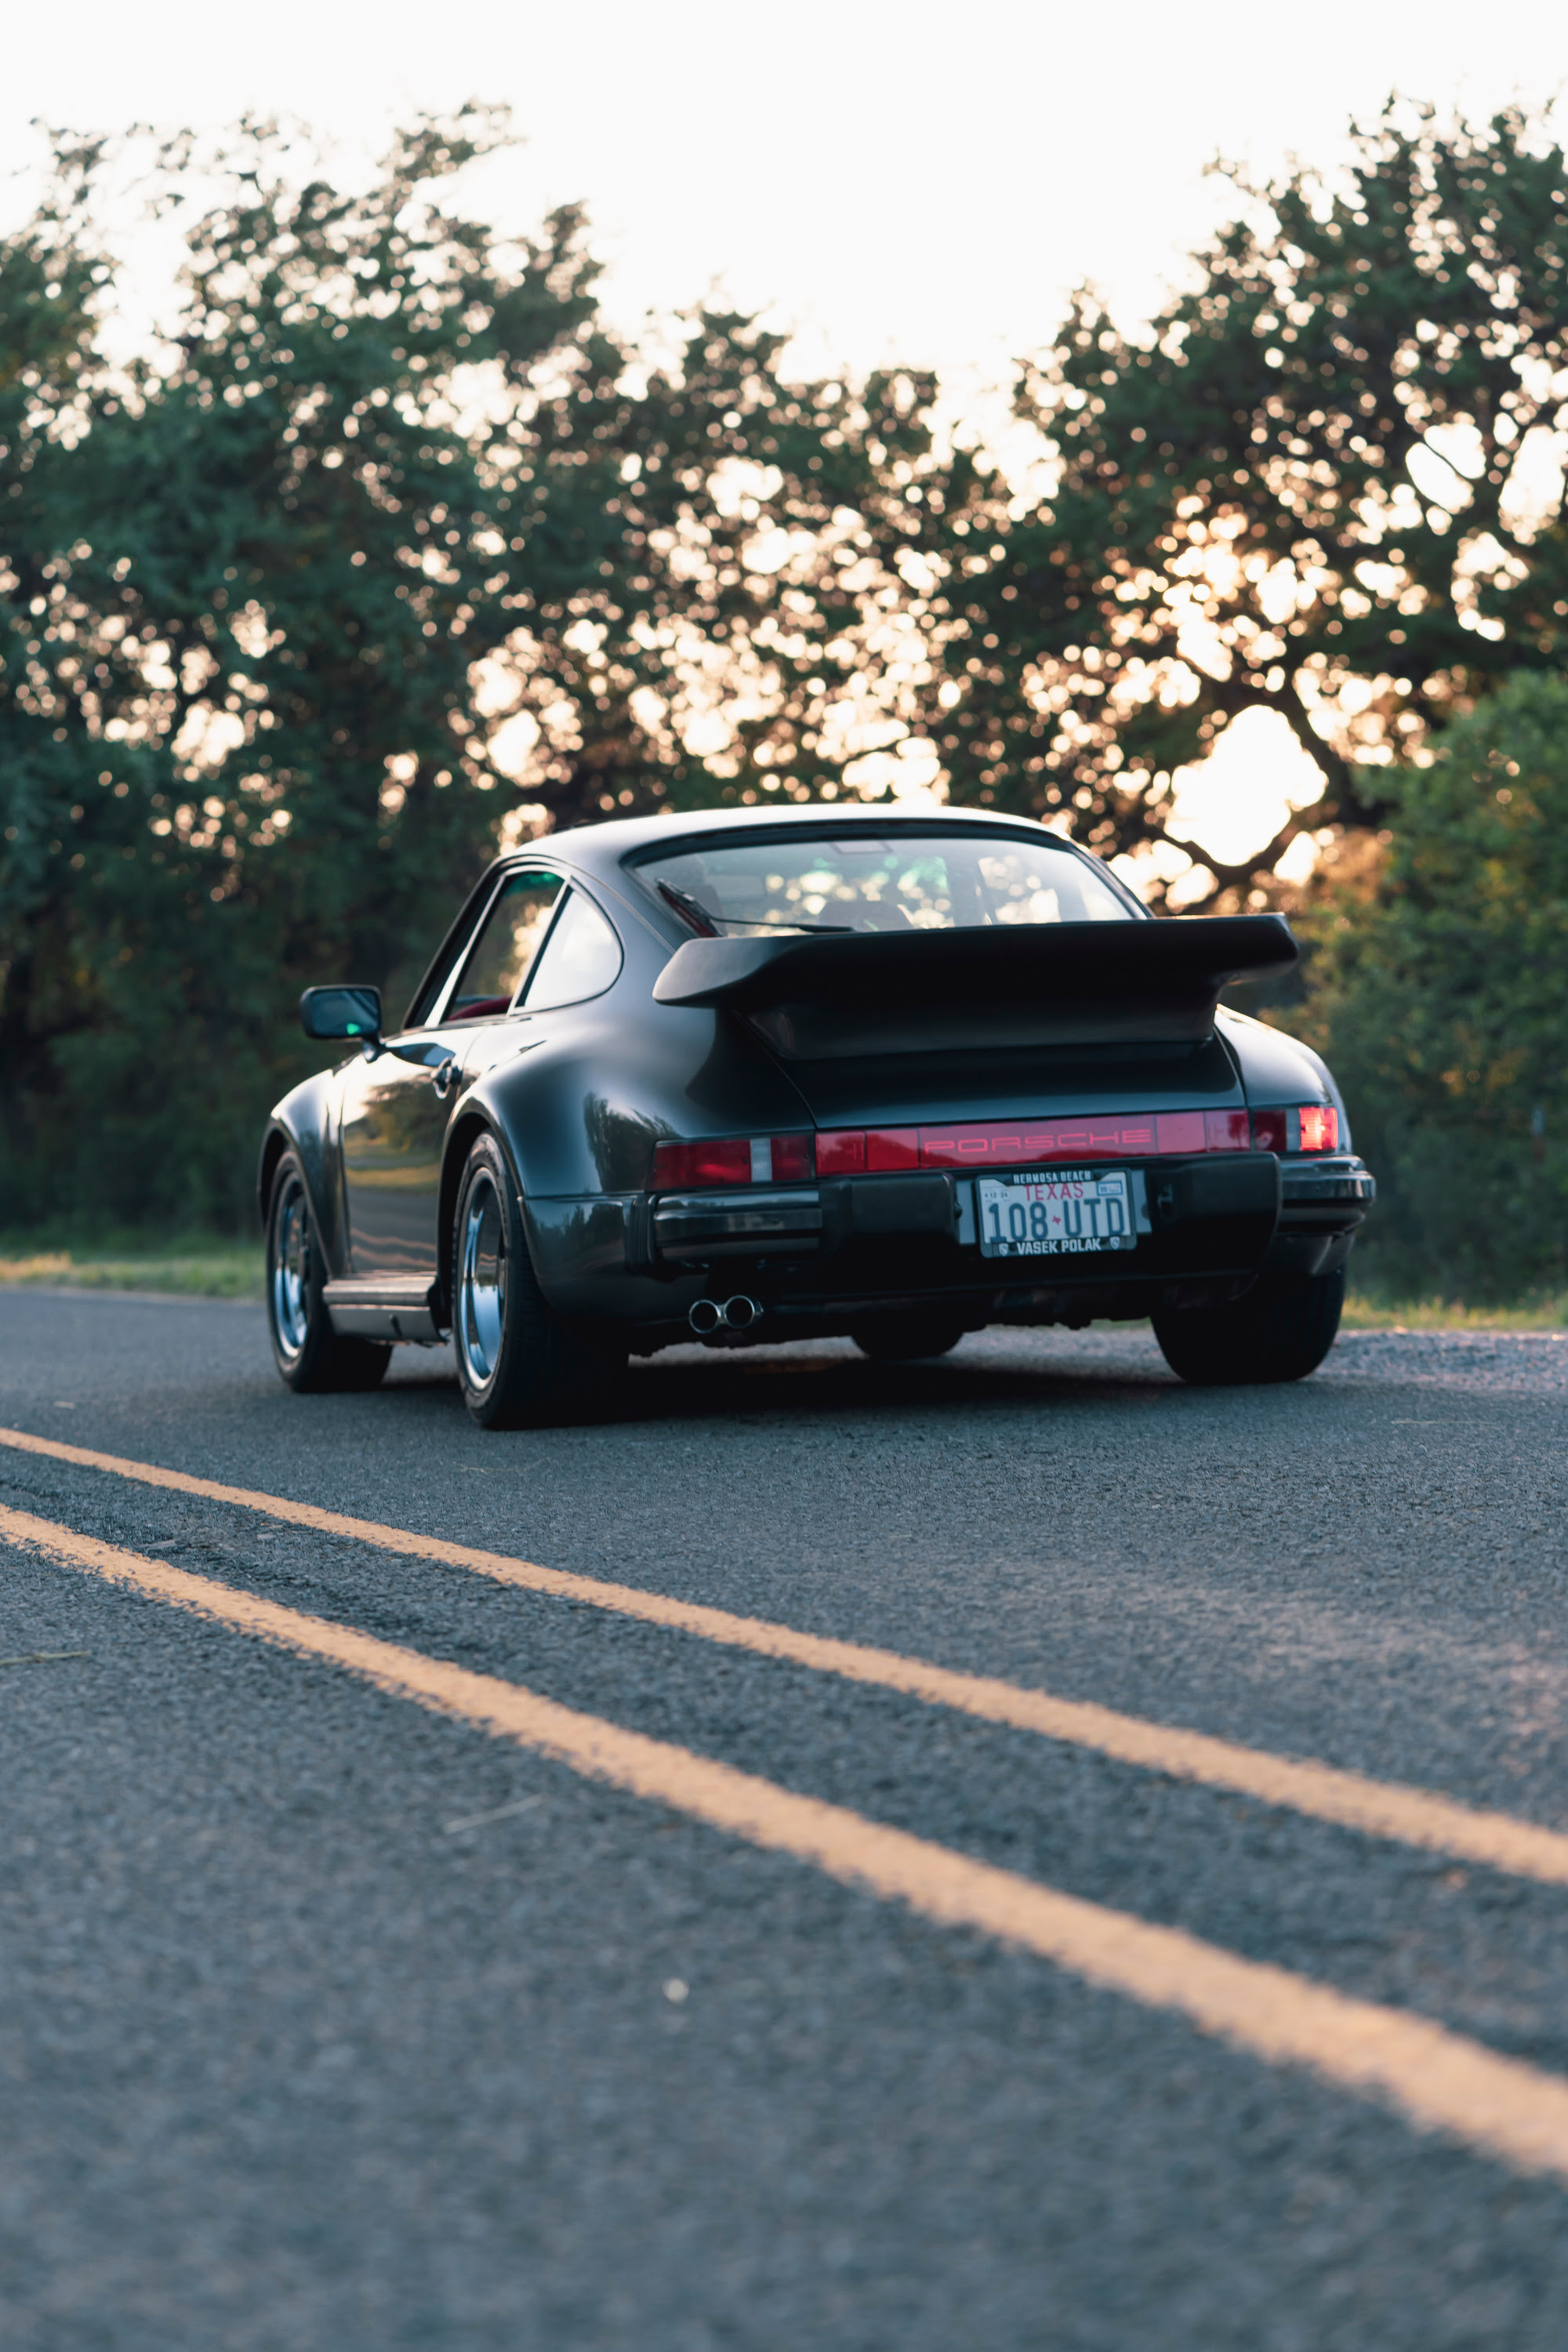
782,1073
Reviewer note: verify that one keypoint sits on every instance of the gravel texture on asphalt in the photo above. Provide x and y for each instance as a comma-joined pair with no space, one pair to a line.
326,2026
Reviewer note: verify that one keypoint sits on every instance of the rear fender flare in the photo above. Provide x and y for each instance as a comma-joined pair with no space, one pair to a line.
278,1140
471,1123
1277,1067
274,1144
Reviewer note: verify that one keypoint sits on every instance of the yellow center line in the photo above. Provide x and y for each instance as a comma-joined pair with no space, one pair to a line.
1437,2080
1413,1817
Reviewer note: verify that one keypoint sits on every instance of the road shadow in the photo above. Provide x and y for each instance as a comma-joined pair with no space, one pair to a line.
830,1380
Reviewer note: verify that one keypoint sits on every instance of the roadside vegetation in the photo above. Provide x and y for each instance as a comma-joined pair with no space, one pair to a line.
216,1269
1436,985
196,1267
1546,1313
393,550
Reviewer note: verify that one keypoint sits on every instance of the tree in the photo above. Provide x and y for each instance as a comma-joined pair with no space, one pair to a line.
749,630
1439,993
230,663
274,602
1325,485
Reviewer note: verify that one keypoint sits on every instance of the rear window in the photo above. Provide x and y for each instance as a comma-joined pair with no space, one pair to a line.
861,881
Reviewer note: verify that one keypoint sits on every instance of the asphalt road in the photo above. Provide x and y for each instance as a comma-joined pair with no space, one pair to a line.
329,2025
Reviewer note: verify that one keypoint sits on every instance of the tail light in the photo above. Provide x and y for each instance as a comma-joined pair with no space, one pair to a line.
1020,1144
733,1159
1307,1126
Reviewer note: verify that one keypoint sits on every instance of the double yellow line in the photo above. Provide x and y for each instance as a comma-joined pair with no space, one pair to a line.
1439,2080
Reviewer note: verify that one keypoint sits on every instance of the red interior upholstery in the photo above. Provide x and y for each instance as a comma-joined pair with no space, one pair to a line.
479,1007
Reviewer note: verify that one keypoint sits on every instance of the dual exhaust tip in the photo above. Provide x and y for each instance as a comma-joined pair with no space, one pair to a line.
736,1314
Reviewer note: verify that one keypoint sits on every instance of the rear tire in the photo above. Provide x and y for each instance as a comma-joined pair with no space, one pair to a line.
519,1364
1281,1331
907,1339
309,1355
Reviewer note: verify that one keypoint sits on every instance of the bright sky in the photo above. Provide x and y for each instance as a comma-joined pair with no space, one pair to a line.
918,182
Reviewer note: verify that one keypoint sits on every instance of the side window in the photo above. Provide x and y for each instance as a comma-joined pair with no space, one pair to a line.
581,959
508,940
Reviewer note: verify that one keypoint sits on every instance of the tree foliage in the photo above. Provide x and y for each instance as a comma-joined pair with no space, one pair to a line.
393,541
1326,485
1439,997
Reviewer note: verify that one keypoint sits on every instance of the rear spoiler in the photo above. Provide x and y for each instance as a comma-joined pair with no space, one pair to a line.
1050,983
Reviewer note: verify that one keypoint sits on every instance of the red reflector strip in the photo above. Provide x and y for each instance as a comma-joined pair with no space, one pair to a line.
1027,1143
1150,1136
1181,1130
841,1152
1270,1131
1039,1139
893,1147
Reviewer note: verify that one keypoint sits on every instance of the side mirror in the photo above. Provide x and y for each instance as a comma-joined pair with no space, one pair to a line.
341,1012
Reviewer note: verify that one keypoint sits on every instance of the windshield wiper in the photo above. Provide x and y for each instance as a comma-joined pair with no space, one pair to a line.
705,924
782,923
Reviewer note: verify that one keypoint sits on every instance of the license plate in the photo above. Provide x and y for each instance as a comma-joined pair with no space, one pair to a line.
1065,1214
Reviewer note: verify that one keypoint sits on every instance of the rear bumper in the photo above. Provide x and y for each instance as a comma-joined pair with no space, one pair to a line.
822,1256
1322,1203
1340,1186
735,1224
1186,1211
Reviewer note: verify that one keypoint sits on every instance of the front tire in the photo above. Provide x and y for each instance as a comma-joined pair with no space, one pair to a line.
519,1364
309,1355
1281,1331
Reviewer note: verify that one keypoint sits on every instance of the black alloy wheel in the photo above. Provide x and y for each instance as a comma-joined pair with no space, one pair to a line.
520,1365
1280,1330
907,1339
308,1353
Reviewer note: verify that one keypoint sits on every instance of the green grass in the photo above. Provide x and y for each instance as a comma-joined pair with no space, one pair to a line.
1542,1314
196,1267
